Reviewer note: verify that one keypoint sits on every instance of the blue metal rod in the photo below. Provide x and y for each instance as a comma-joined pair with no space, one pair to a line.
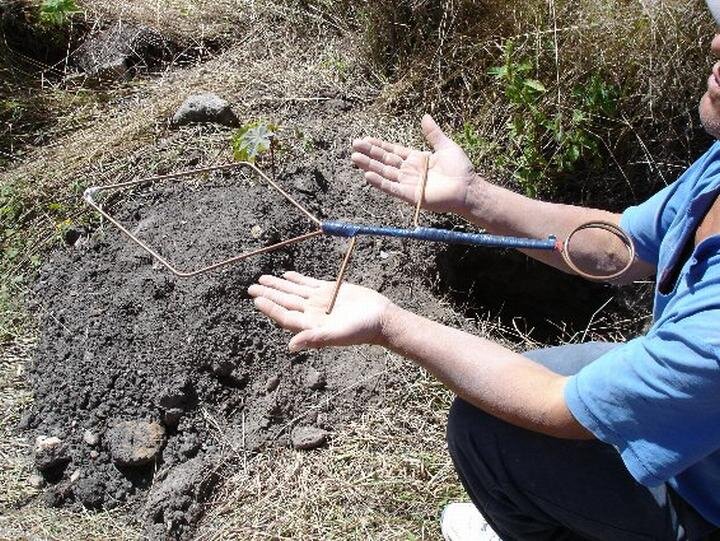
349,230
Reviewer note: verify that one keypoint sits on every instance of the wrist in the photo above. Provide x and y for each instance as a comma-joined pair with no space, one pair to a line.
477,207
390,324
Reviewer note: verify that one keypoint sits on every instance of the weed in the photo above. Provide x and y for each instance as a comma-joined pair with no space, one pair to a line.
475,145
253,140
546,140
57,12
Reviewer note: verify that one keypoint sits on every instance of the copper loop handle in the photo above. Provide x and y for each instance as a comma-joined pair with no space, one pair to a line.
606,226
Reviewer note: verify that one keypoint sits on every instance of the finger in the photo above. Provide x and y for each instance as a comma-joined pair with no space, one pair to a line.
285,285
301,279
309,339
400,150
434,135
405,192
287,319
377,153
368,164
286,300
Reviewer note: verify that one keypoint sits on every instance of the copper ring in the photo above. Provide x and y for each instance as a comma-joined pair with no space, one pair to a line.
606,226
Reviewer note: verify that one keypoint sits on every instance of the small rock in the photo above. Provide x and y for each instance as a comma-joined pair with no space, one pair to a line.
50,453
91,438
135,443
308,437
256,231
94,454
316,379
206,107
264,422
272,383
75,476
113,51
36,481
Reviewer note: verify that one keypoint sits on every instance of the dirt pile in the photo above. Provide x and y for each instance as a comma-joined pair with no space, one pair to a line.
147,386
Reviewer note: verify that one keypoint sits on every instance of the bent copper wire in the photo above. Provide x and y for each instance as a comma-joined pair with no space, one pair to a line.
351,231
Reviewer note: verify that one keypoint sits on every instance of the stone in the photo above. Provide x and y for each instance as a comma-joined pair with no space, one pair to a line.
316,379
202,108
112,52
272,383
50,453
36,481
75,476
135,443
176,500
308,437
91,438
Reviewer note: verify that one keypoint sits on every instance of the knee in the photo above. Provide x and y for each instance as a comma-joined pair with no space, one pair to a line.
468,426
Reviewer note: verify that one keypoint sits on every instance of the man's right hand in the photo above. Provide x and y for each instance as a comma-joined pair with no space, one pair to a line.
397,170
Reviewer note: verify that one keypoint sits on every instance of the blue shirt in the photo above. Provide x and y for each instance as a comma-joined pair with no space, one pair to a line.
657,398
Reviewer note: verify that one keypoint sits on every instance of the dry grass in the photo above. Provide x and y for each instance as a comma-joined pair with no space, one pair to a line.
385,476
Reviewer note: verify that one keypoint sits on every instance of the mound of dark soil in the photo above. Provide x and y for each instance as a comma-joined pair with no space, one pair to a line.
153,383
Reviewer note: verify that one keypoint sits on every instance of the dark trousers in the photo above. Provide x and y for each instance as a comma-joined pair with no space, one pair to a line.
534,487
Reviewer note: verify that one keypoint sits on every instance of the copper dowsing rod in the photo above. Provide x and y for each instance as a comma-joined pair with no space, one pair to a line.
341,274
423,185
91,192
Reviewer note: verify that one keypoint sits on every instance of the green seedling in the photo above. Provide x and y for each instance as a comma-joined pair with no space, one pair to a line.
253,140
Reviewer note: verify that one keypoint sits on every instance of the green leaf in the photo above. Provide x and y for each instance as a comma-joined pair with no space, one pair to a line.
535,85
499,72
56,12
252,140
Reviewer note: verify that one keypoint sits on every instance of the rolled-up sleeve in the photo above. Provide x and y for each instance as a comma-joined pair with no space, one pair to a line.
647,223
655,398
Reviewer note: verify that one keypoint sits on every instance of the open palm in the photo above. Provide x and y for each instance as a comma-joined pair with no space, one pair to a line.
397,170
299,304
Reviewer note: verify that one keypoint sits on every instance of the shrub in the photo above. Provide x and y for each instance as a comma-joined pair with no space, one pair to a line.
597,101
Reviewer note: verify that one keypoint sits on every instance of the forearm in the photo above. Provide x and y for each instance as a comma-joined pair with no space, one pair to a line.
485,374
503,212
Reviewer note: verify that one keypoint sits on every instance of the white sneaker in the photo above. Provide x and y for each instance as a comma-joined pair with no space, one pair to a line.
463,522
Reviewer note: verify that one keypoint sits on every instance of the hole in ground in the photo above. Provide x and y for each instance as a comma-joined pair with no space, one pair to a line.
543,303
